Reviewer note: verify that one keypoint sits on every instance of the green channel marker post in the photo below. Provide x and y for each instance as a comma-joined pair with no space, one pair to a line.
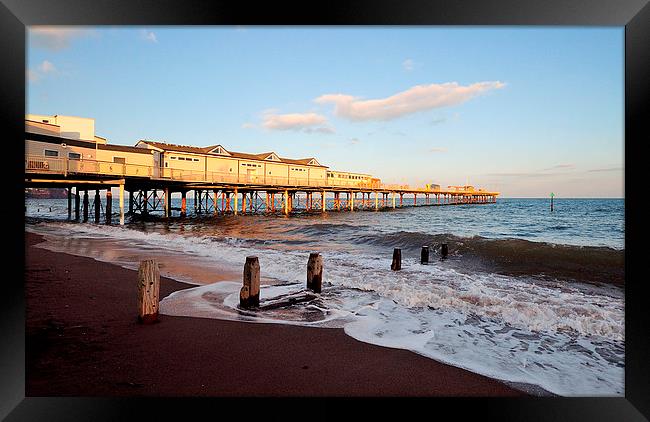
552,195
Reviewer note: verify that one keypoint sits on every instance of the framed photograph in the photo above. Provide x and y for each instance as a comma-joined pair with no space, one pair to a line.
414,201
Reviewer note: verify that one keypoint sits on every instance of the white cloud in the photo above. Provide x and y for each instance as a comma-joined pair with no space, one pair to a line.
305,122
415,99
408,65
44,68
54,38
148,36
437,149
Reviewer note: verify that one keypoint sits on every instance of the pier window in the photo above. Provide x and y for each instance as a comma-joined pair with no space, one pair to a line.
74,156
51,153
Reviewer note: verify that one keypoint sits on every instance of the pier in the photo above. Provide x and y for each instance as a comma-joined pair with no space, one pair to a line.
148,194
220,181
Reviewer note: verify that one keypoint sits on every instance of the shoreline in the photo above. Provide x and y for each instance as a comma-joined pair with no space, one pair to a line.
82,339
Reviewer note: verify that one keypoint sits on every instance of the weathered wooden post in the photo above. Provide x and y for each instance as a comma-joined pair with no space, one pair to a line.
397,260
249,295
424,255
148,291
109,206
323,201
85,206
444,250
315,272
130,202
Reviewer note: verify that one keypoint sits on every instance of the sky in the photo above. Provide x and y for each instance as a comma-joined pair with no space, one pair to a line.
525,111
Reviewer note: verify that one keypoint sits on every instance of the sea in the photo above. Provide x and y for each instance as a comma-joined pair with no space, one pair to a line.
527,296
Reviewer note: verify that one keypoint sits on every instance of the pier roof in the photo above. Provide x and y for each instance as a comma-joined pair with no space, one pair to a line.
311,161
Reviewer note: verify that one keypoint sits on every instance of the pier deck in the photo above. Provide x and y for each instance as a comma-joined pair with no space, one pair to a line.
151,189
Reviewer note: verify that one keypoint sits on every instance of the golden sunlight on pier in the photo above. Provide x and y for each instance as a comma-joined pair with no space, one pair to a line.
63,151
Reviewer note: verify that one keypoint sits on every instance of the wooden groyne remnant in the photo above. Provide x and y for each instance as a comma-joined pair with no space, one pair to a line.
148,291
220,181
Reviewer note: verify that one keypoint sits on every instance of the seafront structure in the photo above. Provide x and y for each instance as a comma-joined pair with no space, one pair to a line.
63,151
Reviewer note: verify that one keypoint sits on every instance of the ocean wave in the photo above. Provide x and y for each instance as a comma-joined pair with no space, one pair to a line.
517,256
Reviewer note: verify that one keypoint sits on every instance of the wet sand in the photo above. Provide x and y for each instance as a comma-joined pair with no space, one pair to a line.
83,339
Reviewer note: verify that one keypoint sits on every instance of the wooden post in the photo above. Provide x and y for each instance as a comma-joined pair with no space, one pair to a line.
444,250
393,200
249,295
351,196
424,255
76,203
235,201
315,272
85,206
376,200
109,206
148,291
183,203
130,202
323,203
121,205
70,203
415,199
397,260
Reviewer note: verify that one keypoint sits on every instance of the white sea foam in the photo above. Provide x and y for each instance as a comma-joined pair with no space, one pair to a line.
566,338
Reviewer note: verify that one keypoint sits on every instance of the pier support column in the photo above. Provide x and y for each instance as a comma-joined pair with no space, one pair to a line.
323,203
243,202
376,201
393,200
351,195
121,205
76,203
130,202
183,203
215,198
70,203
145,202
167,202
234,199
286,202
415,199
401,199
109,206
85,206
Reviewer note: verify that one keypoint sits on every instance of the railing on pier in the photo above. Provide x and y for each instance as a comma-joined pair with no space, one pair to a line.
39,164
65,166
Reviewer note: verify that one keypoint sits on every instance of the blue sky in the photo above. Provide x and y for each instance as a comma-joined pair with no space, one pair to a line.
522,110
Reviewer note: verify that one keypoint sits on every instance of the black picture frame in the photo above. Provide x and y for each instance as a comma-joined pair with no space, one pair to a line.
16,15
